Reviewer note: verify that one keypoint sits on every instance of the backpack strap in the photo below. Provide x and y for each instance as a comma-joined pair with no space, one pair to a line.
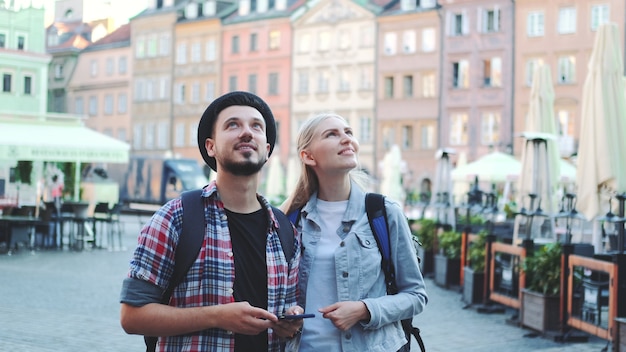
377,217
285,233
189,244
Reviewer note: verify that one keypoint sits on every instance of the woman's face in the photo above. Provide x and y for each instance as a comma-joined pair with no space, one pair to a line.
333,147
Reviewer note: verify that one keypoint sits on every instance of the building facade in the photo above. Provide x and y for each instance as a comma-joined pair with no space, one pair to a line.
100,87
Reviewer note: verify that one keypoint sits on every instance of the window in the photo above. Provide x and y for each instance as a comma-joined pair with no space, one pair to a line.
122,65
28,85
93,106
162,141
389,87
599,15
489,20
152,45
565,123
209,95
535,24
58,71
304,44
191,10
303,82
195,92
460,74
567,69
150,135
389,137
344,39
181,54
365,124
21,42
121,134
407,137
344,79
322,81
492,72
490,128
567,20
232,83
179,93
196,52
94,68
137,136
109,66
323,41
530,67
365,78
108,104
407,85
140,48
254,42
193,134
428,40
164,88
428,85
427,141
3,40
408,41
390,43
79,106
274,40
150,89
458,24
179,135
164,44
210,50
234,44
366,36
122,103
273,84
252,83
458,129
138,94
6,82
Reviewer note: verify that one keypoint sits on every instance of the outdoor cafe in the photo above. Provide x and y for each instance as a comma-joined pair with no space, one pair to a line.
30,151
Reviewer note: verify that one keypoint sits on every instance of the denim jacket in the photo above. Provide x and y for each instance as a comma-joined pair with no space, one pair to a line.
360,276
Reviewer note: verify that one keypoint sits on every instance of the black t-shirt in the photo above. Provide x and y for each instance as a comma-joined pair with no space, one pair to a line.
248,234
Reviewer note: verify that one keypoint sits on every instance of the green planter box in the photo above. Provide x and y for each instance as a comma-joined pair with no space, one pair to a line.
473,285
447,271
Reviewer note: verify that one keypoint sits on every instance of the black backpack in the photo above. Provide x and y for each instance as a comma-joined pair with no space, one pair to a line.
190,241
377,217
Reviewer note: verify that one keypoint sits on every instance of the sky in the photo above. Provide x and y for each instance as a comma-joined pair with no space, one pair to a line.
124,9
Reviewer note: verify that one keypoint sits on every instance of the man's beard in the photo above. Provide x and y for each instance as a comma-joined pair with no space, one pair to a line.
244,168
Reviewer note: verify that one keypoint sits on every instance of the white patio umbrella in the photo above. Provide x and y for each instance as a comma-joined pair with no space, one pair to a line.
540,169
392,167
601,168
495,167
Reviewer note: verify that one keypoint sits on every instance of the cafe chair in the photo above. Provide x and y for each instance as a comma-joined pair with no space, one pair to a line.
595,297
109,217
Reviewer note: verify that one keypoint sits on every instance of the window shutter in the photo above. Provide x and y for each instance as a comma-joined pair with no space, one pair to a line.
496,19
465,22
480,26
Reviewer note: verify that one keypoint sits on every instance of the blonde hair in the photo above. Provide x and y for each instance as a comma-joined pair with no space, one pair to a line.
307,181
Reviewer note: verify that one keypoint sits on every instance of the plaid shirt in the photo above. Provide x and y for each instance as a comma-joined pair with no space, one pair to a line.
153,261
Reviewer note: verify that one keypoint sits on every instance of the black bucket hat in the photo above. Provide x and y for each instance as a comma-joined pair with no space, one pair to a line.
207,121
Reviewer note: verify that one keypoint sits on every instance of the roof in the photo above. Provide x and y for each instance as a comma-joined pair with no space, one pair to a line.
119,37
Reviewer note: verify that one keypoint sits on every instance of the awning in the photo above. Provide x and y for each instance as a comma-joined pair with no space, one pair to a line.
60,142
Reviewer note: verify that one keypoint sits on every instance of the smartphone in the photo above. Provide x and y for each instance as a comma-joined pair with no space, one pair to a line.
297,316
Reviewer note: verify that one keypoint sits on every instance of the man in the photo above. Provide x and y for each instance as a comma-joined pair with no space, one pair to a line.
240,282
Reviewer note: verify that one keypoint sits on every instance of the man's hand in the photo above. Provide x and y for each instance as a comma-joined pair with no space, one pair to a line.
242,318
288,328
345,314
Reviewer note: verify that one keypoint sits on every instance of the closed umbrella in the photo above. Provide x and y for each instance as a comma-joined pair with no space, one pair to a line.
601,168
540,167
392,167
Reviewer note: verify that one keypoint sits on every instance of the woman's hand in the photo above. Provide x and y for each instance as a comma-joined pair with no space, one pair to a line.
288,328
345,314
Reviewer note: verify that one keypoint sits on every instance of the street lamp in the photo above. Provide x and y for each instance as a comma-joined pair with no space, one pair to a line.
570,216
611,225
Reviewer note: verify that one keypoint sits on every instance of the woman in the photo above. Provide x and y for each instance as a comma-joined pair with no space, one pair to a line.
341,279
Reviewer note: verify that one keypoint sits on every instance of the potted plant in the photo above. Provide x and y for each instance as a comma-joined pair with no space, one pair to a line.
424,232
448,260
541,296
474,273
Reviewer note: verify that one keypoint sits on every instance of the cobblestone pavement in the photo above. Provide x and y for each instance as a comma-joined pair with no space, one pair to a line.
68,301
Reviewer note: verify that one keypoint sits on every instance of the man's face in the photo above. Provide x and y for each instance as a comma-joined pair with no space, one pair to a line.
239,142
